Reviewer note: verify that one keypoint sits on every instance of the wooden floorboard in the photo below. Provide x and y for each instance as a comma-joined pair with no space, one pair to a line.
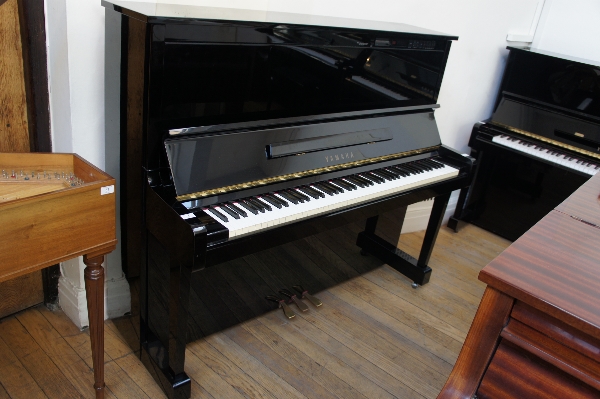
374,337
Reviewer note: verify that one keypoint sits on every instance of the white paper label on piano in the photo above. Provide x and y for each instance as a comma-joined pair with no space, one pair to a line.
107,189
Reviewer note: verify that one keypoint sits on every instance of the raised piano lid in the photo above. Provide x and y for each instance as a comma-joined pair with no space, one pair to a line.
552,96
181,10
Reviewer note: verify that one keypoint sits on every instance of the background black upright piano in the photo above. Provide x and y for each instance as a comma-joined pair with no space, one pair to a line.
239,136
541,143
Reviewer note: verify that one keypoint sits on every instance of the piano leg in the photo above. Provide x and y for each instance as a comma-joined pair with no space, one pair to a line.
416,270
453,222
94,291
461,212
164,317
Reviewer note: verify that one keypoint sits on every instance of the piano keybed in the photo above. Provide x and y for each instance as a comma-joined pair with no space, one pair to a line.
251,214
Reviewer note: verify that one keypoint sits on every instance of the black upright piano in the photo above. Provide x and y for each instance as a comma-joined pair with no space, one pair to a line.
541,143
237,136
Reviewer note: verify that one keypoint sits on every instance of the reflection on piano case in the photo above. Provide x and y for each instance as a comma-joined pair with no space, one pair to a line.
541,144
241,136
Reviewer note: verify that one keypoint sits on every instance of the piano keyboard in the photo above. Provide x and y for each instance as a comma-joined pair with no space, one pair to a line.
249,215
548,153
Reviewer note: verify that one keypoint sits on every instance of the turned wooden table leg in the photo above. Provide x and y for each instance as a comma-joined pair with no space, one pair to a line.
94,291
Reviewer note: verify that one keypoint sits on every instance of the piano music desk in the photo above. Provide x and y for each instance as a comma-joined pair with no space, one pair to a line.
537,330
48,220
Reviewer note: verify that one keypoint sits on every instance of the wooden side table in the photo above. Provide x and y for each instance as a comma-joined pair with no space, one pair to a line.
55,207
537,330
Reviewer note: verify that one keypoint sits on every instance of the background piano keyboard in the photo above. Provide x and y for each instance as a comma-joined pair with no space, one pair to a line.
549,153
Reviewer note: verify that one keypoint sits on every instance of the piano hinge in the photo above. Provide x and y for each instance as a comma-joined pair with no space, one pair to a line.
547,140
304,173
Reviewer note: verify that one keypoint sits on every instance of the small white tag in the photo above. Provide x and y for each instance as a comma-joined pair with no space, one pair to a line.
107,190
187,216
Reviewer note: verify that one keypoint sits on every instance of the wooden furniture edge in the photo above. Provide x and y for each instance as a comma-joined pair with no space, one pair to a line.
101,249
536,303
481,342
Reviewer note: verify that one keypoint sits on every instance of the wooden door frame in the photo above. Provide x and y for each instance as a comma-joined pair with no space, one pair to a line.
32,24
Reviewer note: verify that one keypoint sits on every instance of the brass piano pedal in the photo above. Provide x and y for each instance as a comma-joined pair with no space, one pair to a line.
287,311
301,305
304,294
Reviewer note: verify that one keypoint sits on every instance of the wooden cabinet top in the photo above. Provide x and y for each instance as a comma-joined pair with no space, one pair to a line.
53,207
555,266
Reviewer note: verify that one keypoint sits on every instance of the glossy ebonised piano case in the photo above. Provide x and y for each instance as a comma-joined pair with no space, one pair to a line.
213,111
546,101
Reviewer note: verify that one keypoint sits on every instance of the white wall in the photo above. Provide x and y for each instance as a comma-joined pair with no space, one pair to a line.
76,69
570,27
75,34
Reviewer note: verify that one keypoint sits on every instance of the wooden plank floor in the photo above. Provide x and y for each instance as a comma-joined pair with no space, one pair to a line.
374,337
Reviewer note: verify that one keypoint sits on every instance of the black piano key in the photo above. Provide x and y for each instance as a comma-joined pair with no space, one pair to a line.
336,189
309,192
299,192
433,164
301,197
344,184
372,177
352,180
385,172
424,164
271,201
231,213
364,181
410,168
277,199
237,209
249,207
256,204
262,203
217,214
289,197
324,189
417,167
380,175
401,172
338,186
395,173
406,170
315,191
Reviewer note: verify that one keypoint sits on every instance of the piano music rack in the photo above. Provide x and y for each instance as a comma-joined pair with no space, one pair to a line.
60,207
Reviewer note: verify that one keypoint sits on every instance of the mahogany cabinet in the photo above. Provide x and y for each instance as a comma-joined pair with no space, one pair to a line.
536,333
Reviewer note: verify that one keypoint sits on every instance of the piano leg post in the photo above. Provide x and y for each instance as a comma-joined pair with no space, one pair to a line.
164,317
433,227
94,291
389,253
456,219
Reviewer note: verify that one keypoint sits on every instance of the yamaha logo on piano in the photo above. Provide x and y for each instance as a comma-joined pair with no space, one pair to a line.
339,157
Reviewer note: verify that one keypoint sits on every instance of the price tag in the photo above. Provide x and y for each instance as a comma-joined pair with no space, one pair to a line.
107,190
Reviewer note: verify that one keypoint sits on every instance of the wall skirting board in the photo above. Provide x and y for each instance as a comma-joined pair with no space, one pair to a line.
417,215
72,300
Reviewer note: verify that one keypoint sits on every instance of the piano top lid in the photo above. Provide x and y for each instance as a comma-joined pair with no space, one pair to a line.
151,9
555,55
